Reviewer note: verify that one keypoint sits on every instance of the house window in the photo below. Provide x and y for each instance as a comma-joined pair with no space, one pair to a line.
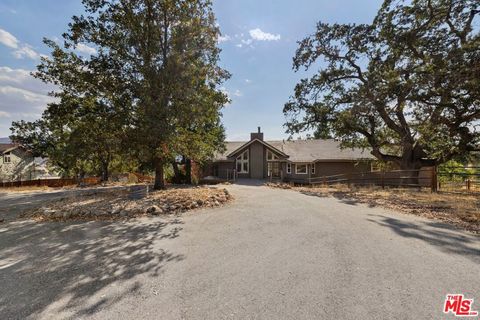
271,155
301,169
7,158
312,169
289,168
269,169
242,162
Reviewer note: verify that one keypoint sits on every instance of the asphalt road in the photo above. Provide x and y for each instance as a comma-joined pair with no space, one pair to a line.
272,254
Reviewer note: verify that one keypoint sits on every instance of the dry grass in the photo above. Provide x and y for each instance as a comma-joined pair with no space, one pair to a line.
118,204
34,189
462,210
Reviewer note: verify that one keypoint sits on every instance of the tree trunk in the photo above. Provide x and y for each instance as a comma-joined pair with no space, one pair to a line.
159,178
105,173
81,177
177,174
188,171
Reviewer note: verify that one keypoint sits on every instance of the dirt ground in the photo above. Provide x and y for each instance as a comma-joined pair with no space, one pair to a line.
462,210
114,204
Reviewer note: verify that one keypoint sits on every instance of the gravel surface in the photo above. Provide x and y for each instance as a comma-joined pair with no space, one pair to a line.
270,254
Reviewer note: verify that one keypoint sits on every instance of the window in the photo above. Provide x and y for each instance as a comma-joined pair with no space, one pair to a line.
312,169
242,163
289,168
7,158
269,169
271,155
301,169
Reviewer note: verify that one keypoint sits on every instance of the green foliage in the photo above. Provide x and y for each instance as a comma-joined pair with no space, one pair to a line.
406,85
454,171
148,95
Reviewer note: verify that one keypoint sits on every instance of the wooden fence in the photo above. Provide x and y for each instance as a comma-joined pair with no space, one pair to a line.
459,179
422,178
61,182
466,181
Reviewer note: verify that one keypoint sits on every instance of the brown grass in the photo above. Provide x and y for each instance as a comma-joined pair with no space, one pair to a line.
462,210
106,205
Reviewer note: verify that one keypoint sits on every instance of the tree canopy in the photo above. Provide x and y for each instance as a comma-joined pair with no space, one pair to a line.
407,86
152,86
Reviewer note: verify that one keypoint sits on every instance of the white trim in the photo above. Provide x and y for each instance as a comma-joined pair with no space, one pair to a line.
242,159
274,157
289,168
260,141
7,155
301,164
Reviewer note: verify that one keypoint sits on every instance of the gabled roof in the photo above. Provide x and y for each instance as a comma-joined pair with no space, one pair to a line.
6,147
303,150
260,141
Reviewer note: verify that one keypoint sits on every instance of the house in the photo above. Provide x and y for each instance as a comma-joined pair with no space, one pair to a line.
293,160
18,164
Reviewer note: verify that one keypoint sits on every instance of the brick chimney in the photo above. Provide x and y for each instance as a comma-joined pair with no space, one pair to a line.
256,135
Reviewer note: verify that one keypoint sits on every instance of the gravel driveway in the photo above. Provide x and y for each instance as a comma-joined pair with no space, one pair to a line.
271,254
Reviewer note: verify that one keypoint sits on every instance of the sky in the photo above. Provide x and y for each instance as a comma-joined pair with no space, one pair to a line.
258,42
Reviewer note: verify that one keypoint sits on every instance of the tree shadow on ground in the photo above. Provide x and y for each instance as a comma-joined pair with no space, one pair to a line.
65,264
443,236
343,197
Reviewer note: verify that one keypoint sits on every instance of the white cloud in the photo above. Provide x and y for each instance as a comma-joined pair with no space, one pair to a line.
8,39
4,114
247,42
237,93
83,48
224,38
248,81
22,50
21,97
260,35
26,51
239,45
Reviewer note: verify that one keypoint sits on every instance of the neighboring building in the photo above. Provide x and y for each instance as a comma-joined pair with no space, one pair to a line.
295,160
18,164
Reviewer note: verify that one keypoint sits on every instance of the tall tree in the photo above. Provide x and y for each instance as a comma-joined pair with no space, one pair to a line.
406,86
82,131
166,51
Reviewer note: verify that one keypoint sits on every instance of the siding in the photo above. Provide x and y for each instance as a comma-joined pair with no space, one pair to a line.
20,167
257,160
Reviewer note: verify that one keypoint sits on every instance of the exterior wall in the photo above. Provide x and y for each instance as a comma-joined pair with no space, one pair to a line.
326,169
257,160
219,169
21,166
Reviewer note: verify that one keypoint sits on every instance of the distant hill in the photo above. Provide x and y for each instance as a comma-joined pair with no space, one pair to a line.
5,140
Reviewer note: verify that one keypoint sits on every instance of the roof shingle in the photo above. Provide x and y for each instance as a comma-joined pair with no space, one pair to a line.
306,150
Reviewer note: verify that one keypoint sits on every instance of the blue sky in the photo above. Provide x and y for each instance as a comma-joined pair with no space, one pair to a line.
258,43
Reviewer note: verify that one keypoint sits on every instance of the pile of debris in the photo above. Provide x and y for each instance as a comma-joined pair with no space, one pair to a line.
119,204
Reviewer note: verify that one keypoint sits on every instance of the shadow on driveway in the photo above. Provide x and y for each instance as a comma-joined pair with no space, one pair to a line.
62,265
445,237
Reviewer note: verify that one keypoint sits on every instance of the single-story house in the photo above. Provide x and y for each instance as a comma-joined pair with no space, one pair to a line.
287,160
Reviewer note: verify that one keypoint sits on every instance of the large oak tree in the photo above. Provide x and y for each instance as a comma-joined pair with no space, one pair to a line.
407,86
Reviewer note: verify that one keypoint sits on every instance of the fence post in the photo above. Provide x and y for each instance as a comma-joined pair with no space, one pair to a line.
469,184
324,181
383,179
434,179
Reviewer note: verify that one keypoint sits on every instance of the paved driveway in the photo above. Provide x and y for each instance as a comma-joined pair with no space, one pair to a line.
272,254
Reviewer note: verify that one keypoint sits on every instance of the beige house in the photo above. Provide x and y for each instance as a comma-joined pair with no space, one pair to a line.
295,160
18,164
